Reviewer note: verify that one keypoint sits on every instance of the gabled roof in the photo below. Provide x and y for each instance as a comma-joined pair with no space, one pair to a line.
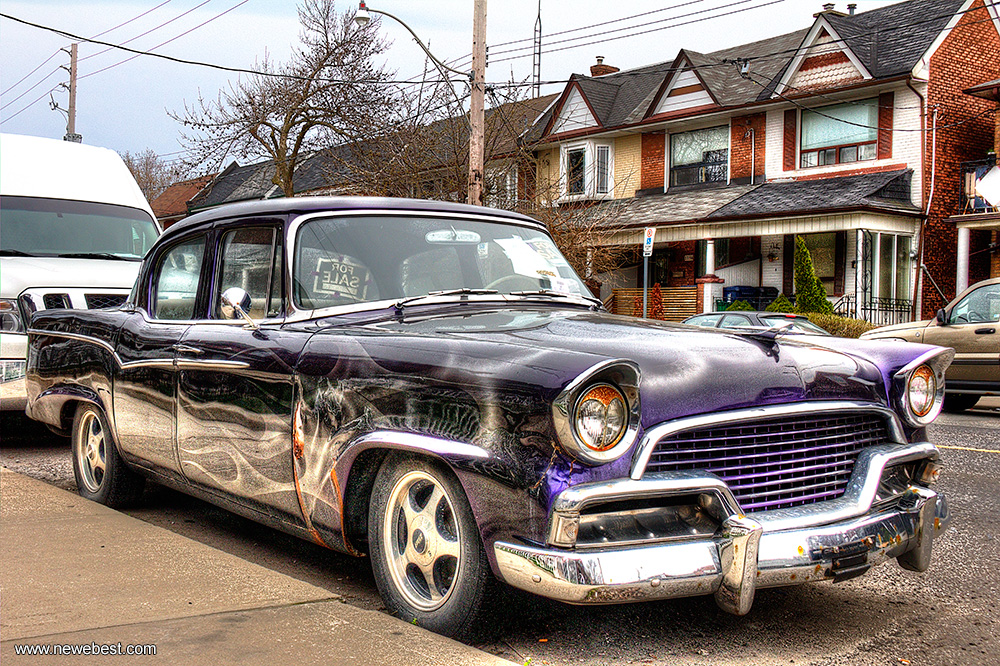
886,42
238,183
172,202
888,191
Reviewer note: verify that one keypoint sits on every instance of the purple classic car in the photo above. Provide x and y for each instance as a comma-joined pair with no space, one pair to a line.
433,386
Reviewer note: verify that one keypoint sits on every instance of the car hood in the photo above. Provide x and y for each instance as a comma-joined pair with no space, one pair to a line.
684,369
20,273
889,331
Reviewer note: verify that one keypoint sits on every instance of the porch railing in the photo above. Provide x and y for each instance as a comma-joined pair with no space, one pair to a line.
874,310
679,303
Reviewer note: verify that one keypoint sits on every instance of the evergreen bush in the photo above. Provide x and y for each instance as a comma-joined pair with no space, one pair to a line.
810,296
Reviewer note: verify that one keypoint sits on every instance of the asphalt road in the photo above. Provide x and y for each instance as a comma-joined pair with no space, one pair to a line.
949,615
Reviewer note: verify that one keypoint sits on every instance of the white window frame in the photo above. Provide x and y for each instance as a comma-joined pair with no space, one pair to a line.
591,149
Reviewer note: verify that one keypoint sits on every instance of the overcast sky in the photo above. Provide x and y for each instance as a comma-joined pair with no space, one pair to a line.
124,105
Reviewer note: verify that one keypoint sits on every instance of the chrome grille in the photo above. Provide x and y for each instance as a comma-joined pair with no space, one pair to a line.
97,301
778,462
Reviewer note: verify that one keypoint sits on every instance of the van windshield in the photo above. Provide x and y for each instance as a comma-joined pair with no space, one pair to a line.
36,227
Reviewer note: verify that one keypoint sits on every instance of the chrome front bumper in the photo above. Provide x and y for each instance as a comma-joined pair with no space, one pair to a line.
745,553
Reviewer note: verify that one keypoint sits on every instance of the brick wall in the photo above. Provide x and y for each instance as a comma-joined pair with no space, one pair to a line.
653,148
966,57
741,145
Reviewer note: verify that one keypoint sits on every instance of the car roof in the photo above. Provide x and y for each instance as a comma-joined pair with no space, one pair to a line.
303,205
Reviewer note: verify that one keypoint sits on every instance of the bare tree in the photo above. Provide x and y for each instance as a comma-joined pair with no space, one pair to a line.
151,172
328,93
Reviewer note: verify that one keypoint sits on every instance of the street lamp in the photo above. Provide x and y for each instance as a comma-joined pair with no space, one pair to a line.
477,120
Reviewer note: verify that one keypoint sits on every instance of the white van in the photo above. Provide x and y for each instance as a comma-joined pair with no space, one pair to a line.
73,228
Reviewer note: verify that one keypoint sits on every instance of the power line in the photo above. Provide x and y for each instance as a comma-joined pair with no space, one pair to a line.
165,23
186,32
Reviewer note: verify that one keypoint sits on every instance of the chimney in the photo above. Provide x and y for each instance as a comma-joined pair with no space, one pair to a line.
851,7
828,8
600,69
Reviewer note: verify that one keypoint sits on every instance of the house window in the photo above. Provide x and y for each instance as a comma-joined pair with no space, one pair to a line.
840,133
603,174
894,267
587,169
699,157
576,171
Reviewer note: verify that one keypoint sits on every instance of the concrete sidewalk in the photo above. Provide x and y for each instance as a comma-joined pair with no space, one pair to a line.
76,572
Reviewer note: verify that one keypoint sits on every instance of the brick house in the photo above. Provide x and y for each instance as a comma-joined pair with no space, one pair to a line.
851,132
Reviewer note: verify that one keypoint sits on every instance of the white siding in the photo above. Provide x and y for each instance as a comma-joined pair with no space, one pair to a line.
575,114
687,100
906,144
746,274
775,143
771,273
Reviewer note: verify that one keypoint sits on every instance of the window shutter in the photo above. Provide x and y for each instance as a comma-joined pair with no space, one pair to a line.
790,140
885,104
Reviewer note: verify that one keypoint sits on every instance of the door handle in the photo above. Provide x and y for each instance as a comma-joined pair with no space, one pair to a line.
985,331
187,349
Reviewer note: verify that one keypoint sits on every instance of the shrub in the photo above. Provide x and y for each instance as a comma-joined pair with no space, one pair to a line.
637,307
810,296
842,327
780,304
656,303
740,305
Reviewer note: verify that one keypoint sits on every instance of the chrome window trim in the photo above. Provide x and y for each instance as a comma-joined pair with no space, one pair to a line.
644,451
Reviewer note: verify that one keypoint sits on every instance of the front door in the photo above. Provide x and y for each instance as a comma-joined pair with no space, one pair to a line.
973,331
145,389
235,390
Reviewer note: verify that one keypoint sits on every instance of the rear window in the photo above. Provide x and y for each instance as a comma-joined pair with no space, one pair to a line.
799,324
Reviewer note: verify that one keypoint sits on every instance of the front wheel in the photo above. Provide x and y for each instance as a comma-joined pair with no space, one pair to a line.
101,474
959,402
427,555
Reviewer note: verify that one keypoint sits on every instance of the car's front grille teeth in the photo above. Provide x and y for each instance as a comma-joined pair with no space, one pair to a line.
56,301
775,463
97,301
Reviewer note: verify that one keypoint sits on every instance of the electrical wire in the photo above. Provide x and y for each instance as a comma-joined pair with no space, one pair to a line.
151,30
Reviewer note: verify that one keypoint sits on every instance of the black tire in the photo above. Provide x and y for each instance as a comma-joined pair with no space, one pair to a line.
441,541
959,402
101,474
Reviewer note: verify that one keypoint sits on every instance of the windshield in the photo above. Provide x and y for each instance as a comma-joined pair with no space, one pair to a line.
353,259
798,325
57,227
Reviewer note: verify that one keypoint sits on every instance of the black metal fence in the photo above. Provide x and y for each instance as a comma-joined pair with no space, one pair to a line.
874,310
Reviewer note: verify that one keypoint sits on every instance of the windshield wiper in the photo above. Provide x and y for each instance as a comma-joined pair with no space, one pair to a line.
557,294
464,291
10,252
95,255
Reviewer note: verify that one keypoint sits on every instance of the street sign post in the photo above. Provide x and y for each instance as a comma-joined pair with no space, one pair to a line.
647,251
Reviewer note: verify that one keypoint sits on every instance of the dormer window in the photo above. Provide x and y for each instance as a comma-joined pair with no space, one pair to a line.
586,170
699,157
840,134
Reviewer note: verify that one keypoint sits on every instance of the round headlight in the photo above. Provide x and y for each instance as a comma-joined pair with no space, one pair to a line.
601,417
921,390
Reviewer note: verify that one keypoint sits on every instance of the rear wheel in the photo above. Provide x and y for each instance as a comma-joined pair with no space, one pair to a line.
427,555
101,474
959,402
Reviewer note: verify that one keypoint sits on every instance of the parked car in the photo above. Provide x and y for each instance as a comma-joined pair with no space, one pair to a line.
969,325
73,228
758,319
433,385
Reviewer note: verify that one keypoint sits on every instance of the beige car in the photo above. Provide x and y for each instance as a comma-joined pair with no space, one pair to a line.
970,324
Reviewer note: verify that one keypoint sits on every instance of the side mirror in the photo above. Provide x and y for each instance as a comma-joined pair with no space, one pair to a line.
942,318
236,303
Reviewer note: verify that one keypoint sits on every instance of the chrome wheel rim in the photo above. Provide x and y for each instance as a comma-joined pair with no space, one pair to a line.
422,540
91,452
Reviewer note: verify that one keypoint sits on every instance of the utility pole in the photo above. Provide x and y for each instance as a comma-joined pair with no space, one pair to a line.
71,134
477,113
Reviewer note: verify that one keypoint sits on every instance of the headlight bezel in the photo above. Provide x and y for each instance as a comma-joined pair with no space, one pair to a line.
622,377
929,369
10,311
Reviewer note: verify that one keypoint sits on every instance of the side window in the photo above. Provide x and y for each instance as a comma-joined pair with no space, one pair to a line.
708,321
982,305
176,284
251,259
736,321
